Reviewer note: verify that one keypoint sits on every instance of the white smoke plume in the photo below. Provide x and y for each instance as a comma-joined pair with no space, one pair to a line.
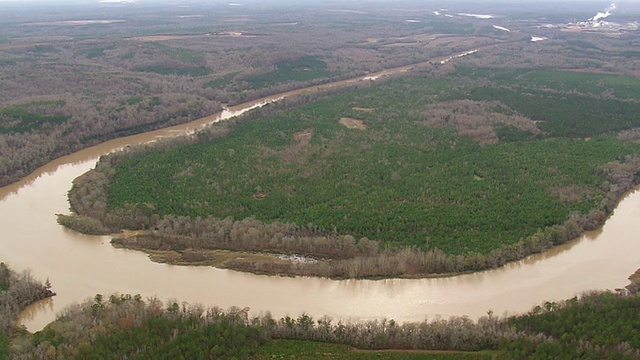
601,15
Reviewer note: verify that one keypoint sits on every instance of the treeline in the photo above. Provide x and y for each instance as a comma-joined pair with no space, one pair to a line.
132,327
481,121
593,326
17,291
615,56
582,116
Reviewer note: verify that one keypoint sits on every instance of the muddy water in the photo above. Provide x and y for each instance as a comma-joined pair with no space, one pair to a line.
80,266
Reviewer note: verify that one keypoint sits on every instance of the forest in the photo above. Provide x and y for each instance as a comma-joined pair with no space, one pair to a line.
441,175
70,84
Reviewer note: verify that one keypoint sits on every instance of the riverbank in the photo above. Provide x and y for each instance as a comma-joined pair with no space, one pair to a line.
120,325
17,292
259,263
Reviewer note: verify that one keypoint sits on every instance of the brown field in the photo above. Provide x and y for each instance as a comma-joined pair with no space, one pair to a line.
353,123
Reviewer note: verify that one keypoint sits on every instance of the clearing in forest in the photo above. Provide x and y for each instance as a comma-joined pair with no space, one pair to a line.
352,123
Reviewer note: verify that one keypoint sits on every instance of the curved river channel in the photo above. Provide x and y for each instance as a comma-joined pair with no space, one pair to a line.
81,266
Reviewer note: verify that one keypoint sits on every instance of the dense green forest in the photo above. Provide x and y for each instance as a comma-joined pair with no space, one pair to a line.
584,328
466,164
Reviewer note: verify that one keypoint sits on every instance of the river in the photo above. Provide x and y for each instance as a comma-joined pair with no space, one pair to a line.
80,266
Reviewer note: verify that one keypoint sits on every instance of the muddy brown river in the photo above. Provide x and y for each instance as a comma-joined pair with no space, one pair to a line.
81,266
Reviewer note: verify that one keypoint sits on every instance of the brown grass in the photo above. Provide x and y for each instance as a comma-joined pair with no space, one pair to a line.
353,123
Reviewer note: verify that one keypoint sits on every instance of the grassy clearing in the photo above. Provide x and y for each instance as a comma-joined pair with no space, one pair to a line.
352,123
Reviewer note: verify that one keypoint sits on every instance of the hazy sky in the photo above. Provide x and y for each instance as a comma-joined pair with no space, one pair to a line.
425,3
596,5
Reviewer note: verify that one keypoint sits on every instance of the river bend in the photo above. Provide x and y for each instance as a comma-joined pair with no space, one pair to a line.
80,266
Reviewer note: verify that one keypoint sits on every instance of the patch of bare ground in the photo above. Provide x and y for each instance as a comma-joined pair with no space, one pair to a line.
424,38
297,151
476,119
302,138
352,123
369,110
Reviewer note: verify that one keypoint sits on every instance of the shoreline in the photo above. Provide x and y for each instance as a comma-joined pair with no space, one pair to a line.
242,260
